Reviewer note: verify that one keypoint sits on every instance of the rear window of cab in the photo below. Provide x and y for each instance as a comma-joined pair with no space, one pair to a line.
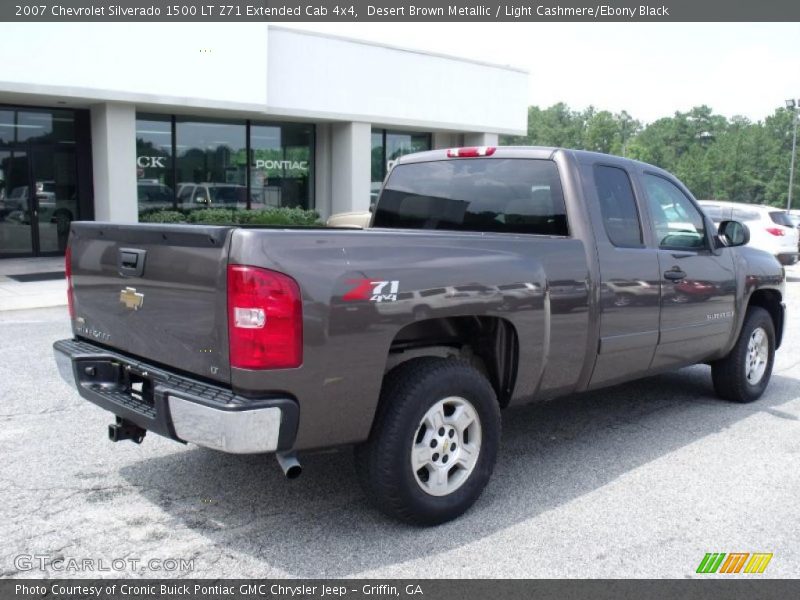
502,195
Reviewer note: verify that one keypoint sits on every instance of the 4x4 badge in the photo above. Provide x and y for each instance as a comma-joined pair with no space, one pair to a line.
374,291
131,298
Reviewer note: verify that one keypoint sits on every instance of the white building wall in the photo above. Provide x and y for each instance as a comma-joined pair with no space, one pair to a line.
350,80
481,139
350,166
322,169
209,65
260,72
113,162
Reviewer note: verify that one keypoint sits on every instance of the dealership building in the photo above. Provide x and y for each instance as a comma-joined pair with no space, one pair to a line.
113,121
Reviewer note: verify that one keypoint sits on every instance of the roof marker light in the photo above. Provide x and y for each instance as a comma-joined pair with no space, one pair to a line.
471,151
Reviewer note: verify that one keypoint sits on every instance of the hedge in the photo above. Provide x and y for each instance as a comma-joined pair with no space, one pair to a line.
294,217
162,216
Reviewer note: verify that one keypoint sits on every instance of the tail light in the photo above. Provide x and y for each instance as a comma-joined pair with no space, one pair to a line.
471,152
776,231
265,319
68,275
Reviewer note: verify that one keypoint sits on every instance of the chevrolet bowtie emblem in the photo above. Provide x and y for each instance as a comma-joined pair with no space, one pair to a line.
131,298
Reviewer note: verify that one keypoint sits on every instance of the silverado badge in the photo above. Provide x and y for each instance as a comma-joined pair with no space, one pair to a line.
131,298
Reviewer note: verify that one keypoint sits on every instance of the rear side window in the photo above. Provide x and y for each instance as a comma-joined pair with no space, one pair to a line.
501,195
618,206
781,218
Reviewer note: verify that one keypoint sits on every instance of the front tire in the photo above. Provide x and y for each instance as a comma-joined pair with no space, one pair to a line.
743,375
434,442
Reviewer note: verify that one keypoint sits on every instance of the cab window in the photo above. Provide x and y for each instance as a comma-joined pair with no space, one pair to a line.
678,224
618,206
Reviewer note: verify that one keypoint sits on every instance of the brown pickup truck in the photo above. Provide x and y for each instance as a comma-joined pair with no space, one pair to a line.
488,277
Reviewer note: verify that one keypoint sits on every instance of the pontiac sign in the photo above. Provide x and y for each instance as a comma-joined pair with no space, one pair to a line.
296,165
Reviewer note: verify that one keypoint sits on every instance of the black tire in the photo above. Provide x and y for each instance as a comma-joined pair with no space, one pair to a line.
730,373
383,463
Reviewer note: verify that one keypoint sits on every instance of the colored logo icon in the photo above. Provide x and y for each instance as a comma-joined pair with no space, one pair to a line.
734,562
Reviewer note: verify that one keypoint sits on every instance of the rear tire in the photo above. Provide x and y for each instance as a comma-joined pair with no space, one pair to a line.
743,375
434,442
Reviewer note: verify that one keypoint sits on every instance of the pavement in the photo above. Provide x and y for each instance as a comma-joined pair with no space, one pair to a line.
15,295
639,480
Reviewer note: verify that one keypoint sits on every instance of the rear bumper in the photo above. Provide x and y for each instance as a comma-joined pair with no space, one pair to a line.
787,258
175,406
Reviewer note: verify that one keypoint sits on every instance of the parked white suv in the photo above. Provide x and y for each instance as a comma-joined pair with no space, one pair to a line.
771,229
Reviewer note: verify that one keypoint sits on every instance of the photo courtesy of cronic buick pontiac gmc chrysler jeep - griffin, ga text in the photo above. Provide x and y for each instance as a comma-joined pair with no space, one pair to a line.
486,278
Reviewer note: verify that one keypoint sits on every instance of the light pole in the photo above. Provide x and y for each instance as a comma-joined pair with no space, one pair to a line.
791,104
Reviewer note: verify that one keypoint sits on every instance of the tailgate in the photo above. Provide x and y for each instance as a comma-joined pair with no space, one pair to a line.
154,291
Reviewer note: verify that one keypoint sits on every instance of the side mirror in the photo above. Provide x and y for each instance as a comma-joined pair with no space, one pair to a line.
733,233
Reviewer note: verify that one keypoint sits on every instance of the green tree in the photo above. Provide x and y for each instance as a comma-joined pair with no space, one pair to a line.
717,158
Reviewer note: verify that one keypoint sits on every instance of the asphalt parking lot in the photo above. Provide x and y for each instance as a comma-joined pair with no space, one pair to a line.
640,480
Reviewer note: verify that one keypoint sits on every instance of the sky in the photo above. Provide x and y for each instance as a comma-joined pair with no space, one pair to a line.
651,70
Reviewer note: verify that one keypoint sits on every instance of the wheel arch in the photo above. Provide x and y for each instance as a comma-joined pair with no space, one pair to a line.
771,301
488,343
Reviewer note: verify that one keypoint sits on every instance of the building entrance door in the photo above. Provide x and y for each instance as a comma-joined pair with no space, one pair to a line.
38,199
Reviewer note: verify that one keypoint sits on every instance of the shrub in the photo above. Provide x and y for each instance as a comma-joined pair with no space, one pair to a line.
162,216
212,216
283,216
278,216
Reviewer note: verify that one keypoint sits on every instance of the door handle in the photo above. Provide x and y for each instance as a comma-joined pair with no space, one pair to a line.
675,274
130,262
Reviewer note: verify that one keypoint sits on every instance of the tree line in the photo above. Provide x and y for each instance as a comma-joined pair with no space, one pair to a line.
716,157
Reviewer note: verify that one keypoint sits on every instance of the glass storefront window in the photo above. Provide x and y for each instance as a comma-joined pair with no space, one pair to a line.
38,126
398,144
378,160
154,183
388,146
55,177
42,187
211,169
280,165
211,164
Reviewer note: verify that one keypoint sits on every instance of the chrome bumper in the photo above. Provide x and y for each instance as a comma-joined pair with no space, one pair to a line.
238,432
177,407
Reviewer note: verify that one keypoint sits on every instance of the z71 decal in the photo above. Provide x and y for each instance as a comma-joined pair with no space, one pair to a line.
374,291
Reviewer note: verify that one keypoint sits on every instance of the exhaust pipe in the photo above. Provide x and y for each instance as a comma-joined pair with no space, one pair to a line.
289,463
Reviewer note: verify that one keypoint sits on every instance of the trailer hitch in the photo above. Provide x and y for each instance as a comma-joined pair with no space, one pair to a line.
125,430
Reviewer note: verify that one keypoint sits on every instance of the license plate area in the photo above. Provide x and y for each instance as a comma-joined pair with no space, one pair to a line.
110,376
138,385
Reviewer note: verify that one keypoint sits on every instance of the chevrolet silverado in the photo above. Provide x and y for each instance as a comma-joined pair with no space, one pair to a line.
488,277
